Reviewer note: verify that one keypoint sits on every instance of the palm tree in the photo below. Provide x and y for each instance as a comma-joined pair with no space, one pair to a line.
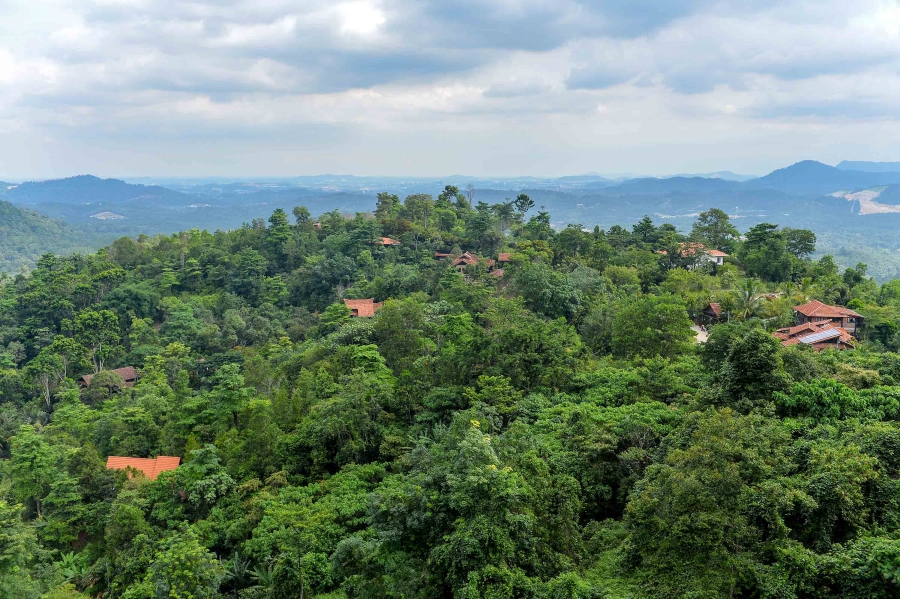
747,299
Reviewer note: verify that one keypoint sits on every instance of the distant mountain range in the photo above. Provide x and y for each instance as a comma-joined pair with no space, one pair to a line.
831,200
869,167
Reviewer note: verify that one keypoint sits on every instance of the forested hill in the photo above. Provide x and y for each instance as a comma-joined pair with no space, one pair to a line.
532,420
25,235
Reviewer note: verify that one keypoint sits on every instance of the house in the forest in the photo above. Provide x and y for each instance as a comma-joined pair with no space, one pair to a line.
128,374
363,308
818,335
150,467
815,312
711,314
387,242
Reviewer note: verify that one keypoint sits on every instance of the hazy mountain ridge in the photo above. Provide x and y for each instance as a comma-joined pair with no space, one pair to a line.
25,235
869,167
811,177
797,195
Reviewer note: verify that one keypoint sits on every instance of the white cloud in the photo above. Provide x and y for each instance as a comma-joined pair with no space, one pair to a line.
360,17
461,81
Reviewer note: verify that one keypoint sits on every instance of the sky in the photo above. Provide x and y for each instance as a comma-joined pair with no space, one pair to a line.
133,88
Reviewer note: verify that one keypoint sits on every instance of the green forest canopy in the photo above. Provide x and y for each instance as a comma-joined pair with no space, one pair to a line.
554,432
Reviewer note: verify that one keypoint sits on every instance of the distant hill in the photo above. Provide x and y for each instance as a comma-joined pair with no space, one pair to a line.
890,195
654,185
25,235
869,167
726,175
814,178
88,189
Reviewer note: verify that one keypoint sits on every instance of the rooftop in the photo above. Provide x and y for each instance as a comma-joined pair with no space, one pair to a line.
363,308
128,374
816,309
151,467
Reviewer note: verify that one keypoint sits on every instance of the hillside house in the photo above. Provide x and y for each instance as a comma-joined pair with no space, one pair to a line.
815,312
466,259
150,467
711,314
363,308
128,374
387,242
819,335
703,254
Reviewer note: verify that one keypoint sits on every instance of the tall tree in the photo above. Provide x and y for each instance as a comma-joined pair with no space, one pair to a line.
98,332
713,229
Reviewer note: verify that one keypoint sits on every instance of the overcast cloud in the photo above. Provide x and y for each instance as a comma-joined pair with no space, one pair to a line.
432,87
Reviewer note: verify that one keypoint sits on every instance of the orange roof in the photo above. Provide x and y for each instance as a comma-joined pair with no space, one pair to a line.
387,241
690,249
466,258
503,257
816,309
151,467
439,255
128,374
715,308
796,334
497,273
364,308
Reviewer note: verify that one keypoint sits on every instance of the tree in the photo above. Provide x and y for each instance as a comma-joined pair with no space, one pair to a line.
747,299
47,370
17,541
697,522
650,325
185,569
547,291
765,253
523,203
33,466
754,369
98,331
301,215
800,242
713,229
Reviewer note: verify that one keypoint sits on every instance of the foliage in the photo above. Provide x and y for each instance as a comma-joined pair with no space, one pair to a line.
552,431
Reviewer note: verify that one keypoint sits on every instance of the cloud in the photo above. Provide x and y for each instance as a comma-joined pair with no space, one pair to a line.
423,69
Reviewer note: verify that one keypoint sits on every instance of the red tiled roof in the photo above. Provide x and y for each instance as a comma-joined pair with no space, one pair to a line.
715,307
364,308
439,255
795,335
387,241
816,309
497,273
503,257
466,258
151,467
128,374
689,249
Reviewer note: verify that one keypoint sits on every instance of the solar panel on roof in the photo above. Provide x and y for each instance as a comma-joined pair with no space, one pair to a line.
821,336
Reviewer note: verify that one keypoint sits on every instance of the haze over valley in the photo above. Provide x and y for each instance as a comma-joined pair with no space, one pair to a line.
854,207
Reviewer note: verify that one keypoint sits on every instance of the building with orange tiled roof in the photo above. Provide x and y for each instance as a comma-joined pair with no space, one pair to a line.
818,335
363,308
150,467
387,241
817,312
504,257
